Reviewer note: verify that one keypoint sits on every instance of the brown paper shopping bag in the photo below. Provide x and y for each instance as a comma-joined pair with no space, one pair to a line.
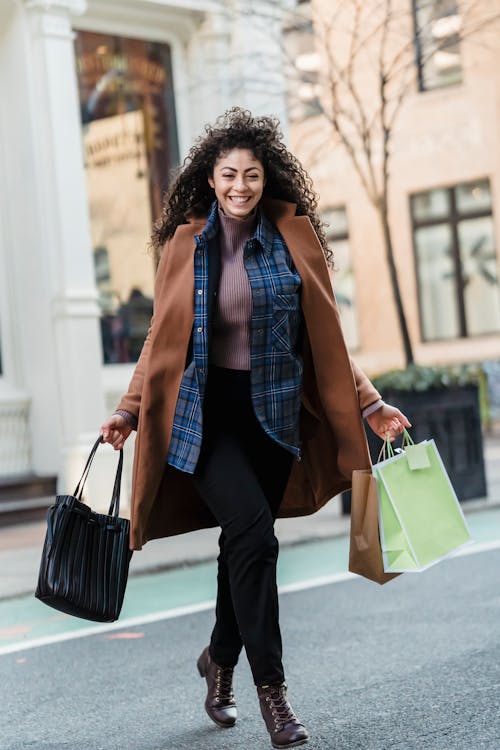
365,554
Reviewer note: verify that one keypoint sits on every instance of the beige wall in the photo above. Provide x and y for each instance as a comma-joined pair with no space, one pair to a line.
442,137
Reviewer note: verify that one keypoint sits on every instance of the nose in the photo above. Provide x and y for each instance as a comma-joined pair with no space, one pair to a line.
239,183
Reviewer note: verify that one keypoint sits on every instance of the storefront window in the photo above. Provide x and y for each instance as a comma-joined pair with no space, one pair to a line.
130,146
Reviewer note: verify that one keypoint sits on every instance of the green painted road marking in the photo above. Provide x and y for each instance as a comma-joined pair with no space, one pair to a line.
26,619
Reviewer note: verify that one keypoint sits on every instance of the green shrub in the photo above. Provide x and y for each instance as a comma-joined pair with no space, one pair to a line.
422,377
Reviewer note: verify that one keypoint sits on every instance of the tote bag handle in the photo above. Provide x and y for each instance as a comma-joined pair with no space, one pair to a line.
114,507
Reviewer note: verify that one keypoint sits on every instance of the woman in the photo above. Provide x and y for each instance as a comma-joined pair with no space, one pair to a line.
246,404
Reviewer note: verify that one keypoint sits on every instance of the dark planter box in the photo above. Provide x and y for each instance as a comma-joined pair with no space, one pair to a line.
450,416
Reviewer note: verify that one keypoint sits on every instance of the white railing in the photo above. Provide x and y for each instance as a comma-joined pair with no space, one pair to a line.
15,443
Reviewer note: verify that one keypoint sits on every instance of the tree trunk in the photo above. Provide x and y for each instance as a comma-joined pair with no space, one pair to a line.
403,327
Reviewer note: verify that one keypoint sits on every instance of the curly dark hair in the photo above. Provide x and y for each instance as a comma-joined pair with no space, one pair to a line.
286,179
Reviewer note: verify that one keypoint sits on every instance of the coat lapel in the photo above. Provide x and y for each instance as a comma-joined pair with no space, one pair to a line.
170,336
333,374
174,296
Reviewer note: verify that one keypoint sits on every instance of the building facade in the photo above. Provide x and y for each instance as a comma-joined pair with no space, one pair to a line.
444,181
101,100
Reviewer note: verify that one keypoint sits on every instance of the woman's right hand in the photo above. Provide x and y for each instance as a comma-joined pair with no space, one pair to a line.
115,430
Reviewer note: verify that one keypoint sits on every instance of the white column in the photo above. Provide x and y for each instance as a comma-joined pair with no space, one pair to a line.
236,58
65,374
210,74
15,438
257,57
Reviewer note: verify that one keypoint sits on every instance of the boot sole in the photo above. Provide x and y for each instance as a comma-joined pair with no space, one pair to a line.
291,744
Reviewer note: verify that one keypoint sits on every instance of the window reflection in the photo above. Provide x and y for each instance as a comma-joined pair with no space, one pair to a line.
130,145
433,204
438,292
303,65
474,196
479,268
438,25
343,276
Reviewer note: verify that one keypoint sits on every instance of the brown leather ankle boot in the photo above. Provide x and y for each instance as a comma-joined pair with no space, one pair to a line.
282,724
219,704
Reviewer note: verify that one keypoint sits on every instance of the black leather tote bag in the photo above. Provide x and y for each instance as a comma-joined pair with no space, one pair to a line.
86,555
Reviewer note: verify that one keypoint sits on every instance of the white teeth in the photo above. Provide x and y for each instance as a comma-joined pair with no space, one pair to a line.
237,199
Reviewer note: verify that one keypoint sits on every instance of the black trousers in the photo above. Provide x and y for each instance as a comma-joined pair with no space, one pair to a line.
241,475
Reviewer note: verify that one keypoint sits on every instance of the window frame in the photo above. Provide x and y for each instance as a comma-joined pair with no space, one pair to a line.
451,219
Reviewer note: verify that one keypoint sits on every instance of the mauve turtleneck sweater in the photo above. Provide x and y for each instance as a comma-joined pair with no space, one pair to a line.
230,340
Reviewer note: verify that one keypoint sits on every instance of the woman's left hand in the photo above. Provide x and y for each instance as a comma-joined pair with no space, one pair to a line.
387,420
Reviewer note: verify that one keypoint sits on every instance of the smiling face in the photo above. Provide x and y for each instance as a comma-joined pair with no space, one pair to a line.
238,180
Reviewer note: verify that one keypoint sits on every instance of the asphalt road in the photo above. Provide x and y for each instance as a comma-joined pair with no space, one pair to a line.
413,665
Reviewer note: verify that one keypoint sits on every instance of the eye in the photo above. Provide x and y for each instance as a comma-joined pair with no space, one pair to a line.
228,174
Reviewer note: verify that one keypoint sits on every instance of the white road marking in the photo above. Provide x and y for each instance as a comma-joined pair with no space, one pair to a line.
312,583
169,614
106,627
476,547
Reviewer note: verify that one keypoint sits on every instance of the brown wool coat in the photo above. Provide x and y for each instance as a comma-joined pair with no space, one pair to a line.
164,502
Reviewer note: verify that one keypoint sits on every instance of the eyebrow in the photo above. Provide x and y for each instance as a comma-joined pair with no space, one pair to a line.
248,169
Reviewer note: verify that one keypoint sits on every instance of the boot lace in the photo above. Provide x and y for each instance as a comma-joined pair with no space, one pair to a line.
281,709
224,685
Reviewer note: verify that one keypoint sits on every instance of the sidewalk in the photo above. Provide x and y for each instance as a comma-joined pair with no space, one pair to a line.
21,545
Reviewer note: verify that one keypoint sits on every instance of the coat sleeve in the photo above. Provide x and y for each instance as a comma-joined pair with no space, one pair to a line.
367,393
131,401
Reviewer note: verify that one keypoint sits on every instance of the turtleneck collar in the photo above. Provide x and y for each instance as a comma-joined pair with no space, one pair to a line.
238,228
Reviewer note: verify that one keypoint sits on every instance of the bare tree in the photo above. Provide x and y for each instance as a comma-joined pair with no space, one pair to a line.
368,52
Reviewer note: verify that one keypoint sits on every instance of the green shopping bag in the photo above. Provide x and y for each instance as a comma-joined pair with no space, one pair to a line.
420,518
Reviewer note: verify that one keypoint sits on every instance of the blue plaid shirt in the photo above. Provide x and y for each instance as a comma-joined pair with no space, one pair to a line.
275,362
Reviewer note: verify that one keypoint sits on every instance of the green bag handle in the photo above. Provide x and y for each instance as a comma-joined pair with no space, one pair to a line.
407,438
387,451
